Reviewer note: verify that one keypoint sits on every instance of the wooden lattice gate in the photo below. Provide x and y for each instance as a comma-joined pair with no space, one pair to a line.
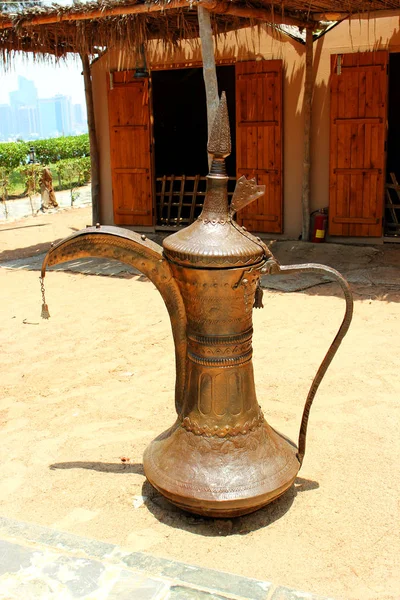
179,199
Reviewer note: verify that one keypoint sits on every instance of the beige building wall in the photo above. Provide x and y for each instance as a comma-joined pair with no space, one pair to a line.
357,35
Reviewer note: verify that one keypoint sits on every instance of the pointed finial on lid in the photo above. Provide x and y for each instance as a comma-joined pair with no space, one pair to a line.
219,144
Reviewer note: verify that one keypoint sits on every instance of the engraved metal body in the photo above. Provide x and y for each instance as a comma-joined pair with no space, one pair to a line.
220,457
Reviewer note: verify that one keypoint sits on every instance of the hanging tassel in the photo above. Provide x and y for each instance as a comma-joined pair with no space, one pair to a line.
45,312
45,309
258,296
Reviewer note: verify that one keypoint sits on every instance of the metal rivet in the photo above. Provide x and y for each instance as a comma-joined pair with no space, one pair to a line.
143,237
97,225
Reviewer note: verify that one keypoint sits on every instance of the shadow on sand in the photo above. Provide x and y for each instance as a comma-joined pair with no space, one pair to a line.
167,513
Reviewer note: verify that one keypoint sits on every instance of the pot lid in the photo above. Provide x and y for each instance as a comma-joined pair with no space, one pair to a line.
215,240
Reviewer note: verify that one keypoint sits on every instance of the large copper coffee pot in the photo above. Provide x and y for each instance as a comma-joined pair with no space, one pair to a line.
220,457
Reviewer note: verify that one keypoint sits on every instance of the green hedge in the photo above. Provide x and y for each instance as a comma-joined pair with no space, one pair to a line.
55,149
74,170
15,154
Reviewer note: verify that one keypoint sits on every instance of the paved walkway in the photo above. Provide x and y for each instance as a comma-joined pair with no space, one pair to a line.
39,563
367,266
21,207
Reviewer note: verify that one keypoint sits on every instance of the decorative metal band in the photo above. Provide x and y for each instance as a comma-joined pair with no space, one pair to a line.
250,274
198,320
227,361
226,430
207,351
189,258
221,340
214,221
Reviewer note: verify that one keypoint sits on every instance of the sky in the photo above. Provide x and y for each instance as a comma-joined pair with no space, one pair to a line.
63,78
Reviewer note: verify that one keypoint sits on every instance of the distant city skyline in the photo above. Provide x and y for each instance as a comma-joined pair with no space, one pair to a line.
50,79
28,117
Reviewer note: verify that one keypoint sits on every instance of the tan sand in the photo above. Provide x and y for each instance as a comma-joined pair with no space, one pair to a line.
95,383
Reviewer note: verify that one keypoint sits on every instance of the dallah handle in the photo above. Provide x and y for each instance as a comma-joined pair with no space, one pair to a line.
274,268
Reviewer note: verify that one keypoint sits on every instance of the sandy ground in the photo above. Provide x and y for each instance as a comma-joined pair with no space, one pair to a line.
95,383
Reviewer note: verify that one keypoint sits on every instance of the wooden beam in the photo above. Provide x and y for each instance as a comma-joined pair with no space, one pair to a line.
369,14
307,103
215,6
330,16
97,14
247,12
94,153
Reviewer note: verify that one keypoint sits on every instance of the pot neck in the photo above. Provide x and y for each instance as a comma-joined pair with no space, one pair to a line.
215,208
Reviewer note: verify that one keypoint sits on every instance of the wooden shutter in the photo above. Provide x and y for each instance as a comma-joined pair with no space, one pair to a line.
359,88
130,141
259,140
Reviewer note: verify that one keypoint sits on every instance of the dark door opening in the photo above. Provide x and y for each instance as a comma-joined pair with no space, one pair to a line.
180,141
392,192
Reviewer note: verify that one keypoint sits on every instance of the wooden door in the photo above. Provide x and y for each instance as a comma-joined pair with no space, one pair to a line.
130,144
359,89
259,140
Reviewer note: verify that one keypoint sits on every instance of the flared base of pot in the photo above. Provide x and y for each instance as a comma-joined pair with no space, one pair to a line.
221,477
222,509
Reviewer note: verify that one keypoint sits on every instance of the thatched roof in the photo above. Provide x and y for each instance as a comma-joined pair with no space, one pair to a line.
92,26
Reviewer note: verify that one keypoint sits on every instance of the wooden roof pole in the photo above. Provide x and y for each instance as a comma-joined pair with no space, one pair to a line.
307,103
331,16
216,6
94,152
209,69
115,11
247,12
368,14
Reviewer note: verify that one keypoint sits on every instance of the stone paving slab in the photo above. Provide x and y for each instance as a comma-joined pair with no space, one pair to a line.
87,266
38,572
40,563
388,276
372,276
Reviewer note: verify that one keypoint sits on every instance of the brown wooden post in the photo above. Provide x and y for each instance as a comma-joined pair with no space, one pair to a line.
307,103
94,154
209,69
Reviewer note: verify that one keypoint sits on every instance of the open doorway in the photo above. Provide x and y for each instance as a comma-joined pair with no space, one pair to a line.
392,195
180,141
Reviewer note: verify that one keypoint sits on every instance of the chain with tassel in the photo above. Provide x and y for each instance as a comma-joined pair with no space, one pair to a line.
45,309
258,303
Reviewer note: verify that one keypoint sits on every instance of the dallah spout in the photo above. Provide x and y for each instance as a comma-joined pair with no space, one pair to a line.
137,251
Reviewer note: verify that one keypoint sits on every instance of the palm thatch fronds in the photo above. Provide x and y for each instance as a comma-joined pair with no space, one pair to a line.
92,35
89,28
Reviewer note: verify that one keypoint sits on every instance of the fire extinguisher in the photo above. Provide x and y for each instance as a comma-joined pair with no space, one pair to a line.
319,225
